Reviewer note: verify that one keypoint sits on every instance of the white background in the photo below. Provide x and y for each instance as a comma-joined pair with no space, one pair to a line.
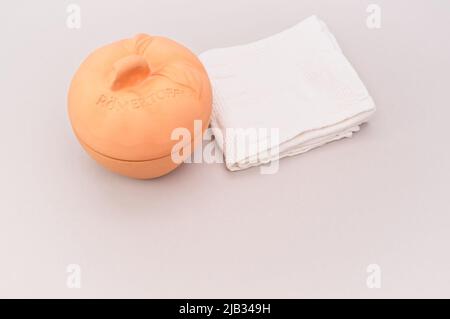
308,231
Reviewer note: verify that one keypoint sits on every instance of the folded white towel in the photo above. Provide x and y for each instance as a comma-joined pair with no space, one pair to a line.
297,81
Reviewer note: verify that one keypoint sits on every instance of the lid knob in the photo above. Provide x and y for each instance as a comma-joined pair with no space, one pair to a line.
129,71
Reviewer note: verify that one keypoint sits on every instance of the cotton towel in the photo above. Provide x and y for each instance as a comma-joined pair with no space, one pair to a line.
284,95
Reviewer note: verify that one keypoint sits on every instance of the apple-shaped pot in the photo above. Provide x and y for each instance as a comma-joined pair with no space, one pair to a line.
127,97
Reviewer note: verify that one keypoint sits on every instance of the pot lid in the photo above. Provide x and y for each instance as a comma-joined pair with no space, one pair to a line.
127,97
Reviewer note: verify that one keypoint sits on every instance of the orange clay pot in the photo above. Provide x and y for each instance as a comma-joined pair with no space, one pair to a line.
127,97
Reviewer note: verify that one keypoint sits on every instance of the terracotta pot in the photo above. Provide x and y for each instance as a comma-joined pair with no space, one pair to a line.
127,97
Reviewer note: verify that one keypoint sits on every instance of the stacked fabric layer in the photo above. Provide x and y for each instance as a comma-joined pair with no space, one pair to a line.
284,95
